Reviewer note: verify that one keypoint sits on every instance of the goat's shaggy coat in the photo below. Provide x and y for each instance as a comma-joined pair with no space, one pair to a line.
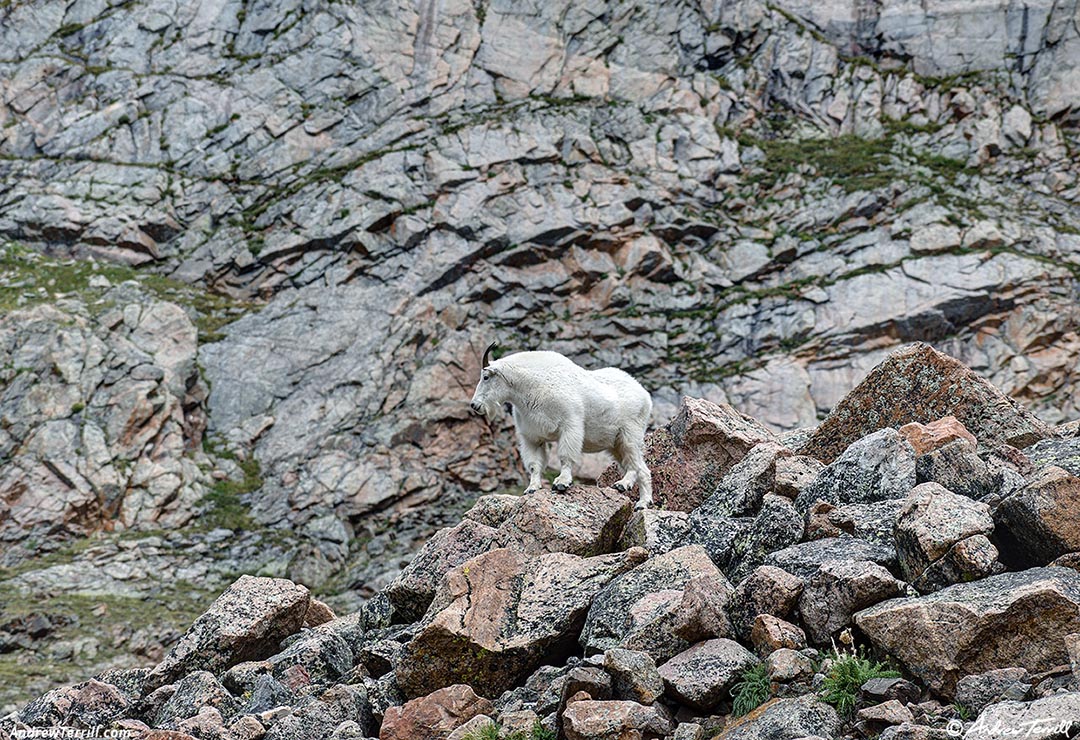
555,400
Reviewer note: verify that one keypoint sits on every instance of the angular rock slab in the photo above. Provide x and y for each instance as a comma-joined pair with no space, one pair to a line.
690,455
919,384
661,607
434,716
592,720
805,716
931,522
584,521
929,437
247,622
839,589
413,589
497,617
701,676
1064,453
1041,522
1012,619
1050,717
877,467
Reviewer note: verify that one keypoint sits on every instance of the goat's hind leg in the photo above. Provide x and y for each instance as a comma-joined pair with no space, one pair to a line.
636,469
626,483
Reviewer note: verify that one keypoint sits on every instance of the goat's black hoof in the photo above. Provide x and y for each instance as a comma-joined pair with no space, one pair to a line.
620,487
560,487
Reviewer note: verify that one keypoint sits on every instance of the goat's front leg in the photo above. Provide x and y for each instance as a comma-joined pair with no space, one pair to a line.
533,457
571,440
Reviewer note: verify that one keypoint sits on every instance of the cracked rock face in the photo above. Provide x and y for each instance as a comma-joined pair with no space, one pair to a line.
399,184
99,411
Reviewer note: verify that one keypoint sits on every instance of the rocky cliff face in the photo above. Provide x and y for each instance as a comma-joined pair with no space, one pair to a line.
330,208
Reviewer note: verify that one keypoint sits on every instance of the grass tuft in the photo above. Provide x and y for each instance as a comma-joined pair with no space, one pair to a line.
752,690
847,674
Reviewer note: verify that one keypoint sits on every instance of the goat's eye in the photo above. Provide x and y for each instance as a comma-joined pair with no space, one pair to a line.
485,376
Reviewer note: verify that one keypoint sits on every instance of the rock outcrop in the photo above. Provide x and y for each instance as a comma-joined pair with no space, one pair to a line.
1013,619
920,384
497,617
561,614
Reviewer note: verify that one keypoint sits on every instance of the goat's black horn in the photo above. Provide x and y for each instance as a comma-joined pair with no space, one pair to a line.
487,353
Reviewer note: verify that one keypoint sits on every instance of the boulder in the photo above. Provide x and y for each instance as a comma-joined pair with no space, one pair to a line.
974,693
412,590
344,709
786,665
768,590
435,716
661,607
919,384
497,617
929,437
878,467
701,676
741,490
802,717
615,720
85,705
493,509
690,455
1041,522
1063,453
839,589
930,524
958,467
656,530
1007,620
583,520
247,622
772,633
804,559
633,675
873,522
967,560
776,526
794,473
1055,716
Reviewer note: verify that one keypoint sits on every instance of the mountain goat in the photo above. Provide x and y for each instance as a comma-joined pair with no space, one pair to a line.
555,400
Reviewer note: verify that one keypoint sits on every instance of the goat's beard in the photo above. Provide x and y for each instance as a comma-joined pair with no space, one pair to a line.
490,410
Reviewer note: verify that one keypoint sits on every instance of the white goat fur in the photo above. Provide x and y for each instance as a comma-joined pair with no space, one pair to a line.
555,400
